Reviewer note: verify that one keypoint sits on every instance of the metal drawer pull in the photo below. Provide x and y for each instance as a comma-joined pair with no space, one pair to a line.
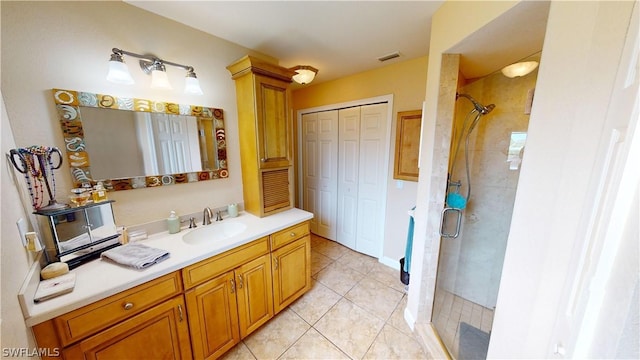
239,281
180,312
276,263
128,306
233,286
293,234
443,223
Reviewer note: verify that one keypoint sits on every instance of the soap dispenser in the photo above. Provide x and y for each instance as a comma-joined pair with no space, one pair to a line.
173,223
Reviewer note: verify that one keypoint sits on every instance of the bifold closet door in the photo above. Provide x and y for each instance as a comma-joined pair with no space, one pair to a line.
371,179
319,170
348,169
344,153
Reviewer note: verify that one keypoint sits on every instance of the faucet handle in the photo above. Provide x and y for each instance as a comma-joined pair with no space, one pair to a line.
192,223
218,216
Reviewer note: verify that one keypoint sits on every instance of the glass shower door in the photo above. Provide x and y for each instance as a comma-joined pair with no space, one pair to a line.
470,265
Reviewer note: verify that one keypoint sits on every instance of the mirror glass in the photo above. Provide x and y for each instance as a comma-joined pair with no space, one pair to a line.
76,229
136,143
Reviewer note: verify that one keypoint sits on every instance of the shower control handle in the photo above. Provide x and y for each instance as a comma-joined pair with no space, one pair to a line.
443,222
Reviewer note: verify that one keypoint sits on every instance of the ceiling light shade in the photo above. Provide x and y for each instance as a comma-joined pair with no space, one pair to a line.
119,71
192,84
305,74
519,69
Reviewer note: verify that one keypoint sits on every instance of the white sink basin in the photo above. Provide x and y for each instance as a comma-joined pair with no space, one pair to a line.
214,232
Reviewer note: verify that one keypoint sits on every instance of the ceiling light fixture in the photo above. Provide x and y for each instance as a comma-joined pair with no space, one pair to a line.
150,64
305,74
519,69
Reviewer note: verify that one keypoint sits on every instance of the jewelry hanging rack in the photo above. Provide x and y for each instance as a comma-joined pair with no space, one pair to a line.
36,163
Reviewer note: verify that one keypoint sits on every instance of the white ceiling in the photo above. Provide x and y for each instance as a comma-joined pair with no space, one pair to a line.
341,38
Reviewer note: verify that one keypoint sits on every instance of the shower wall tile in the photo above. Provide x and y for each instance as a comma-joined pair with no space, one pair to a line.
471,265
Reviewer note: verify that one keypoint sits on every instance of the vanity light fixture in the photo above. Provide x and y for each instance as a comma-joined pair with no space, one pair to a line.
150,64
305,74
519,69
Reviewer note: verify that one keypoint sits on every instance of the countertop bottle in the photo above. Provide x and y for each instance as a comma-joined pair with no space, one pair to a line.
173,223
99,193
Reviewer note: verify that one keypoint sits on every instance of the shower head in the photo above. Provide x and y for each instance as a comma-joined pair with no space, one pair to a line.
478,107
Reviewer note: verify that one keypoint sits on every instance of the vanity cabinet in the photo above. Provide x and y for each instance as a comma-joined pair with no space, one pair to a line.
199,312
265,134
291,265
102,328
158,333
213,317
236,300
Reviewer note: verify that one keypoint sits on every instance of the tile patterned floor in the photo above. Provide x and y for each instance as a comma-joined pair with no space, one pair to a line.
450,310
353,311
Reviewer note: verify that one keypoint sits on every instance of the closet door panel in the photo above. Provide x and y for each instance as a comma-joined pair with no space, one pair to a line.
309,166
328,175
348,169
320,167
371,180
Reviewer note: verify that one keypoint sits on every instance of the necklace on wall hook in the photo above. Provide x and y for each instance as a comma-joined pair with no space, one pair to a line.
36,163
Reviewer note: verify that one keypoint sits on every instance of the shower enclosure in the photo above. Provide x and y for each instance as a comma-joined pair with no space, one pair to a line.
487,145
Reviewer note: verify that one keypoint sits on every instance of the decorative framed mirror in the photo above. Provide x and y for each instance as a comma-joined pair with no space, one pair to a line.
138,143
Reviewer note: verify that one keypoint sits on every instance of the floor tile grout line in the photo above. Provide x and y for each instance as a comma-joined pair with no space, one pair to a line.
385,321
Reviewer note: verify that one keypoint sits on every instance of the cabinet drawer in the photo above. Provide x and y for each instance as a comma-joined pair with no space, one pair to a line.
216,265
288,235
88,320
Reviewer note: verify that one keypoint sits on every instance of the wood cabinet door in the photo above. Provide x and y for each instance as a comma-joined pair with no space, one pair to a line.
255,294
213,316
158,333
291,272
273,129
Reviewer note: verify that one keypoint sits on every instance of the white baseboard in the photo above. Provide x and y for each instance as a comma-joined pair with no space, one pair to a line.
392,263
408,317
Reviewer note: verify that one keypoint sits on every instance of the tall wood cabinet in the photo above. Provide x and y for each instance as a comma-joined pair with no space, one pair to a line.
265,134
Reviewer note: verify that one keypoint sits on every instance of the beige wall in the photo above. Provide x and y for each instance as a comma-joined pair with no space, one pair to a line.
450,24
405,81
561,173
67,45
15,261
557,181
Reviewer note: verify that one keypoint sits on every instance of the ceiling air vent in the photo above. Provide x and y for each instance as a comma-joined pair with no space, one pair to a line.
389,56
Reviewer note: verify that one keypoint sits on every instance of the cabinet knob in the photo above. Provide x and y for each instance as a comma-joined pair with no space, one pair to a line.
128,306
292,234
263,160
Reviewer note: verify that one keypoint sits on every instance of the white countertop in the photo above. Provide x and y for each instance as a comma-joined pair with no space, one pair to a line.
100,279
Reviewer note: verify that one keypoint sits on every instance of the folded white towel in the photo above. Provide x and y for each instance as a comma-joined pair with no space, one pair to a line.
136,255
82,239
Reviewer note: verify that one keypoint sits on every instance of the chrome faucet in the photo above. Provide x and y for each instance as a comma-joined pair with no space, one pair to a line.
192,223
206,216
218,216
